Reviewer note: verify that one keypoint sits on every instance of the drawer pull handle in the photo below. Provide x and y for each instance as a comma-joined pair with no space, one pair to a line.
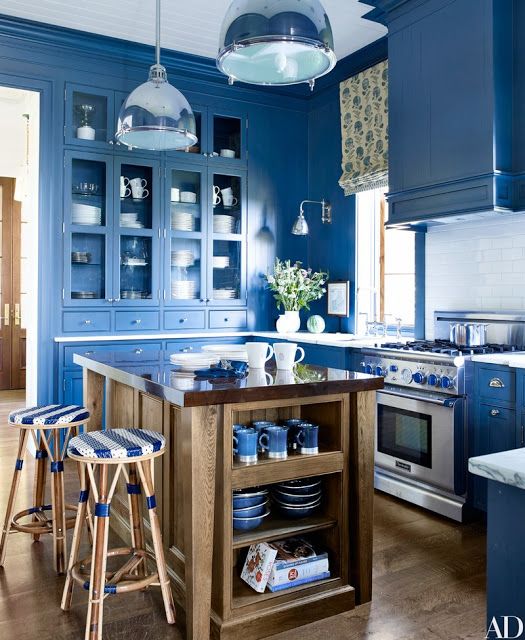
138,350
183,320
496,383
494,412
87,321
137,321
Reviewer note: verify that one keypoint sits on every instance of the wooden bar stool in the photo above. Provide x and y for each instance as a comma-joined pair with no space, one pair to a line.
135,449
45,423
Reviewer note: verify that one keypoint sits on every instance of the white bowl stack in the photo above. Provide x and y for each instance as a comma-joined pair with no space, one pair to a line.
182,220
223,224
86,214
183,290
182,258
130,220
224,294
193,361
227,351
221,262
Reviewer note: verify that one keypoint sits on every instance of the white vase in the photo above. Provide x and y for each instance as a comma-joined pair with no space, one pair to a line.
288,322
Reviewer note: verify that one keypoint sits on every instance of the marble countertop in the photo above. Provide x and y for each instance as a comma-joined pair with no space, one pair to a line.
342,340
507,467
514,359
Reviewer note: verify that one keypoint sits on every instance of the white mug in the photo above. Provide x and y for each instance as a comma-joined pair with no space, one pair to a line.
285,355
258,354
229,201
227,153
259,378
86,133
125,191
138,188
175,194
216,196
188,196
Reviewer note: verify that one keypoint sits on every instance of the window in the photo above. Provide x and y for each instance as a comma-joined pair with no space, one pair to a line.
386,279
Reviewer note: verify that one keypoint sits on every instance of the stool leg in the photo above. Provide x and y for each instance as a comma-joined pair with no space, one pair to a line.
80,520
99,560
40,482
22,441
165,586
59,506
135,516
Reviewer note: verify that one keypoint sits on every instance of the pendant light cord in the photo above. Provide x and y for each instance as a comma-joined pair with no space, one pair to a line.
157,44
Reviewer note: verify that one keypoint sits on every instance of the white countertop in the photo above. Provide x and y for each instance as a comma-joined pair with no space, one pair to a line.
344,340
507,467
515,359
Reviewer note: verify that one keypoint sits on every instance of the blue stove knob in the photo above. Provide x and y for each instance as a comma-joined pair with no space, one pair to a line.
393,368
419,377
433,380
447,382
379,371
368,369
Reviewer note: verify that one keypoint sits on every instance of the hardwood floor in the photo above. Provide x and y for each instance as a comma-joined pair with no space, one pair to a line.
429,578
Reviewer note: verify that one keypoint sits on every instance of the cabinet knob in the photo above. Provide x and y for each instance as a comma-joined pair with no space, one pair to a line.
137,320
88,353
494,412
205,154
109,299
87,321
116,300
496,383
138,350
226,319
186,349
181,320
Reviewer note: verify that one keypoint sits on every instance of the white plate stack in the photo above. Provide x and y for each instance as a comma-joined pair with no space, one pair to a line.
182,258
182,220
134,262
183,290
224,294
193,361
130,220
86,214
221,262
227,351
223,224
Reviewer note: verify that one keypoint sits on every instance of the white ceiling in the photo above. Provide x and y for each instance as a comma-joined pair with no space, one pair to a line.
192,26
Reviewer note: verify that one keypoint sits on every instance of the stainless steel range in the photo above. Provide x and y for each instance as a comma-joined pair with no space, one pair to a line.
421,433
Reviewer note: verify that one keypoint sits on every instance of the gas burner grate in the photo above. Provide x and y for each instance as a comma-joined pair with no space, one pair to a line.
445,347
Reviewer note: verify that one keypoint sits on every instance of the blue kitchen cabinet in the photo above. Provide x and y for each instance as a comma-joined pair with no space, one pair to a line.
450,124
493,425
72,388
89,117
333,357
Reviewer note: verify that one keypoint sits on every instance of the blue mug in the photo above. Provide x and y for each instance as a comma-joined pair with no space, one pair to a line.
275,441
260,426
245,444
293,424
308,439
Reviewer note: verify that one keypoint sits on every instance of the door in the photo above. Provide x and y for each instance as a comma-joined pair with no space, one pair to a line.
12,333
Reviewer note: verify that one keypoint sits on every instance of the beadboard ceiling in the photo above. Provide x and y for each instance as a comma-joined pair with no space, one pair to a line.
191,26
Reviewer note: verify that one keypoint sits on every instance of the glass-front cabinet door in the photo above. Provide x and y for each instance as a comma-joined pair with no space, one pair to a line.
136,231
227,137
87,204
186,223
89,117
227,231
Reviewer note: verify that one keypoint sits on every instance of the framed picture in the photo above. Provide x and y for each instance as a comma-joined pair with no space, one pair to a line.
339,298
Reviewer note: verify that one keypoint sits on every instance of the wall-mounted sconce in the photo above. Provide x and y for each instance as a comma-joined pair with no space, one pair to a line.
300,226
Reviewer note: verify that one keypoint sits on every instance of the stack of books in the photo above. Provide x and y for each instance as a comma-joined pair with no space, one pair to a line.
284,564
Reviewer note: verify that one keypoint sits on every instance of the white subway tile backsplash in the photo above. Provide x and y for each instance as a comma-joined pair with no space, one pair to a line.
478,266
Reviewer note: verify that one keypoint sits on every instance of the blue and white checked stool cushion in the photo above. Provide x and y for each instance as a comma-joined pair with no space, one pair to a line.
116,443
49,414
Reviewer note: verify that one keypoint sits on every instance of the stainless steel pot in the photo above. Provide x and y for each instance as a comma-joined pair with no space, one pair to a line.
470,334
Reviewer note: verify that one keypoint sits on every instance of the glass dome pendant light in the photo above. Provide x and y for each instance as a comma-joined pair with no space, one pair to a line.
276,42
155,115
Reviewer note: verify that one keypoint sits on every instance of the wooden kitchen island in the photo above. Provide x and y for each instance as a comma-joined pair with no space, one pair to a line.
196,476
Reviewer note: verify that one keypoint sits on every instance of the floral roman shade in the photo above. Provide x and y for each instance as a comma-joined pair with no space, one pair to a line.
364,130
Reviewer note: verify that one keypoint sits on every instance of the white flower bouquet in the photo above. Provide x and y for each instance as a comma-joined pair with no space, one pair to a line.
294,287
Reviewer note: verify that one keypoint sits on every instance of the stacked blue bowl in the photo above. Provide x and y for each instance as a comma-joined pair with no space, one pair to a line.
250,507
297,498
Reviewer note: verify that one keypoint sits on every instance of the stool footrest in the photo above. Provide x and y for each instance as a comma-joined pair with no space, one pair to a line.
43,524
126,582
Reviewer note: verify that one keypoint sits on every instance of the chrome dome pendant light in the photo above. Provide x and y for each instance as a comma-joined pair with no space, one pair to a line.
155,115
276,42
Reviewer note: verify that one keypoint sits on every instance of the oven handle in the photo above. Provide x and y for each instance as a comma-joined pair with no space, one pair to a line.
445,402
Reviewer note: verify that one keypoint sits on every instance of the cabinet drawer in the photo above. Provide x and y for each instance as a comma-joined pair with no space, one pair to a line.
496,383
128,352
184,320
86,321
228,319
136,320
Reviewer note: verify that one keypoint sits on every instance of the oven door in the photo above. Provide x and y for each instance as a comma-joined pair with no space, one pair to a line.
421,438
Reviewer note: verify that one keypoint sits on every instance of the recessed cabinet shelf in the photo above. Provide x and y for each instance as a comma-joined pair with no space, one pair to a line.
276,528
